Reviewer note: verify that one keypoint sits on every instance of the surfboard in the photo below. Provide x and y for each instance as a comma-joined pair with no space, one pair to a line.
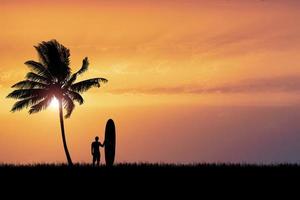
110,142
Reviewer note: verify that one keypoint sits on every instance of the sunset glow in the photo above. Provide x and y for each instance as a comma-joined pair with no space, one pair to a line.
189,81
54,103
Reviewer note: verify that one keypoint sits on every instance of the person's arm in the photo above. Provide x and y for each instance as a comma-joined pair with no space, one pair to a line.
92,149
102,145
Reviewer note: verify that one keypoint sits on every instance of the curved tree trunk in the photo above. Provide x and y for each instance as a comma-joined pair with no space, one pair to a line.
63,134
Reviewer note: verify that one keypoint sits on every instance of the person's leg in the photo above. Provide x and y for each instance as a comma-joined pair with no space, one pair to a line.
94,160
98,160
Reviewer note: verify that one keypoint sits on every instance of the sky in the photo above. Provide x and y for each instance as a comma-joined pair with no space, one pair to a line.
189,81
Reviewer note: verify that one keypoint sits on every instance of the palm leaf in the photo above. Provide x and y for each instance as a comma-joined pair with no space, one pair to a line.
35,77
85,85
25,103
84,68
70,81
26,93
68,105
42,55
55,58
75,96
40,105
38,68
27,84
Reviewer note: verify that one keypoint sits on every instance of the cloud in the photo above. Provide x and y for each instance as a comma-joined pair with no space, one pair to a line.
270,85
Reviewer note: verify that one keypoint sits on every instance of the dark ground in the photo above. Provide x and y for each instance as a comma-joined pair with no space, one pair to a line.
151,178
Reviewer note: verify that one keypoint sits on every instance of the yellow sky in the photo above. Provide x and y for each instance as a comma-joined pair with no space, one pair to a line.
159,58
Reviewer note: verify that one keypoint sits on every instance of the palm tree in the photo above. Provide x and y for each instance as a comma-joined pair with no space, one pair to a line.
52,78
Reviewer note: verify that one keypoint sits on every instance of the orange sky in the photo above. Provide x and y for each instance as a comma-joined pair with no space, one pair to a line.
188,80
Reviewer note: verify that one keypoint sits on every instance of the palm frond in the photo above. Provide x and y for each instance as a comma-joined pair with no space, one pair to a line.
39,68
85,85
42,55
26,93
27,84
71,80
38,78
40,105
84,68
68,105
55,58
25,103
75,96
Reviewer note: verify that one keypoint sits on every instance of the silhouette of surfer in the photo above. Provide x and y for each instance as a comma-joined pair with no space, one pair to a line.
95,148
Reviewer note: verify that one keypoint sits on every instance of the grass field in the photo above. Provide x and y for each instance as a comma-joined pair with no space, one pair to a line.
150,171
150,178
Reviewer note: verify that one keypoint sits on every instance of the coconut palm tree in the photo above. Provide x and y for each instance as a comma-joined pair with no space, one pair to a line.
50,78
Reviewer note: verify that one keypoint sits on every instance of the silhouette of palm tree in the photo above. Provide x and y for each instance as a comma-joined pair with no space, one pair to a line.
49,78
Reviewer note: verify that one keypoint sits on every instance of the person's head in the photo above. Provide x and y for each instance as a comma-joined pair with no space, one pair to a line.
96,138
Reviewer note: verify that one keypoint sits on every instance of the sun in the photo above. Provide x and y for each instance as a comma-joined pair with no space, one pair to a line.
54,103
